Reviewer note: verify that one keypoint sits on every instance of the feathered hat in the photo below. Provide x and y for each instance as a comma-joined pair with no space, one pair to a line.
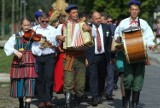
58,8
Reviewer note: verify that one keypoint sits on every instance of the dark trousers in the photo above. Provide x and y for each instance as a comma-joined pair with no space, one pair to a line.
109,82
97,75
44,81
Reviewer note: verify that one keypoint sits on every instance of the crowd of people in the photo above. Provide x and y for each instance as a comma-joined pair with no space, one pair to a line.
42,64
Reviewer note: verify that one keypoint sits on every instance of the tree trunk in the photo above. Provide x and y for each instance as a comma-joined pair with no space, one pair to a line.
12,27
3,20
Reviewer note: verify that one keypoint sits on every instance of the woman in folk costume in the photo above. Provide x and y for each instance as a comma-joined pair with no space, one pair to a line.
22,71
134,72
60,15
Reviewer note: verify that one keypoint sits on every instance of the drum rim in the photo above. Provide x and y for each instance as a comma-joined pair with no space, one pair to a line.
125,49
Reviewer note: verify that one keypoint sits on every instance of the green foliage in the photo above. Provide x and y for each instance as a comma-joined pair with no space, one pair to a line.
5,62
115,8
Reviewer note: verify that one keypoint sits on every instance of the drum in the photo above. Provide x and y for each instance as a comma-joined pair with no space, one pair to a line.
76,38
134,46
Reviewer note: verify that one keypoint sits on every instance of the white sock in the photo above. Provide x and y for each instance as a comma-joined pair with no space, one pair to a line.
28,100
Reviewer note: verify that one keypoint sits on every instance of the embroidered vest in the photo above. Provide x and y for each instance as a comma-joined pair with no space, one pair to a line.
22,43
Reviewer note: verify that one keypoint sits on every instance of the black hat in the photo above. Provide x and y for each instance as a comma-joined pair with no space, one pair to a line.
70,7
134,2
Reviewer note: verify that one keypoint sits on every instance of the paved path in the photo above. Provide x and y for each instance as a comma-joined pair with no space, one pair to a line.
149,96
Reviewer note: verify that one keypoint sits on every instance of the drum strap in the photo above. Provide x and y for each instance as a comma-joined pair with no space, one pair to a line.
139,23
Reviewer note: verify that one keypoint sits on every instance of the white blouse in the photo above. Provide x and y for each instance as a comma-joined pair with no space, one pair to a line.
9,45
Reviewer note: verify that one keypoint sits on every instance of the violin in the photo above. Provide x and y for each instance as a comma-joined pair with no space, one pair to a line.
31,34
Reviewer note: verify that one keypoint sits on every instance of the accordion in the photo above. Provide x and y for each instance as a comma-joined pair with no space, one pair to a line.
76,38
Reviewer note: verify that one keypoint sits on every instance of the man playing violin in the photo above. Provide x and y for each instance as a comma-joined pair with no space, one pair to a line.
134,72
45,60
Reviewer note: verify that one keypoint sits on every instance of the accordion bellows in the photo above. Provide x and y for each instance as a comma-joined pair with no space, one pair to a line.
76,38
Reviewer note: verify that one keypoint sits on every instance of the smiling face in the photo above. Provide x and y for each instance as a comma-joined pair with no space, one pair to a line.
44,22
73,14
134,11
25,25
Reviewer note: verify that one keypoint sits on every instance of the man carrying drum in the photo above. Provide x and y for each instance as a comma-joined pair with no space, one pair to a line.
134,72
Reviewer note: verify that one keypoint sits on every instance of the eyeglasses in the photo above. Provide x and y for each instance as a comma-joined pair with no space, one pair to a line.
110,21
43,21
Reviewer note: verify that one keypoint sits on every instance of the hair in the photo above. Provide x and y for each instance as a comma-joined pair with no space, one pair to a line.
109,16
24,18
94,13
81,15
134,4
103,14
44,15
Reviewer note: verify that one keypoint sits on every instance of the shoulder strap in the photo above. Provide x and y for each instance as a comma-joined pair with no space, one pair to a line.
17,34
139,23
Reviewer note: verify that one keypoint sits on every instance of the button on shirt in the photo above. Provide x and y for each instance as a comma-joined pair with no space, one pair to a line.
50,33
94,34
147,32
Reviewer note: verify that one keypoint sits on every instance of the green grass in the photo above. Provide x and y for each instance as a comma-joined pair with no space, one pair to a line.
5,62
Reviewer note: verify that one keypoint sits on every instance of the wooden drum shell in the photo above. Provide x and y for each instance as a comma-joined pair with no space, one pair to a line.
134,46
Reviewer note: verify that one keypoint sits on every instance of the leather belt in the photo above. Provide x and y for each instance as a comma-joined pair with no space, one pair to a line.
47,55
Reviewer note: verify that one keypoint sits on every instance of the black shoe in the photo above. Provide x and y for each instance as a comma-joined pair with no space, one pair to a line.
99,100
27,104
135,99
109,97
85,96
77,100
123,101
127,98
94,101
48,104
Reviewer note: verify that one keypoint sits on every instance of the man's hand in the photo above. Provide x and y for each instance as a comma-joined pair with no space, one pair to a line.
61,38
86,62
119,39
152,47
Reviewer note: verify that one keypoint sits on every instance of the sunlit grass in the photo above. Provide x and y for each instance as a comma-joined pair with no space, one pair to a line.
5,62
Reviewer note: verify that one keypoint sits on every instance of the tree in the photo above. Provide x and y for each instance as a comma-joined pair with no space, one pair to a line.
3,19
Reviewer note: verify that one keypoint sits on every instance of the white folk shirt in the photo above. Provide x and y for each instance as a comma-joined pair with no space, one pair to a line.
50,33
9,45
94,34
148,35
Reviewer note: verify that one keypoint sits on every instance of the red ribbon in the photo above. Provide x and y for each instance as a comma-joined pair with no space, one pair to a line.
133,21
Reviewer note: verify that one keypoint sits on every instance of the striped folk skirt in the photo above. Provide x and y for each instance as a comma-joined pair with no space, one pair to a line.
23,68
23,75
22,87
